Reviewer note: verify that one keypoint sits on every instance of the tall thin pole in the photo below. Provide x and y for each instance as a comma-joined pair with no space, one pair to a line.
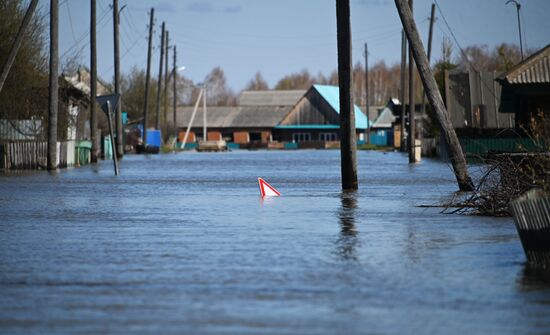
457,158
174,96
93,83
367,129
17,43
109,117
165,95
54,85
159,83
148,77
412,130
192,119
403,88
347,116
430,36
118,112
205,127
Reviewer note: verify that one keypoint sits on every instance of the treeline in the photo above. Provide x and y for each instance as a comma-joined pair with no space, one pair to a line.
24,94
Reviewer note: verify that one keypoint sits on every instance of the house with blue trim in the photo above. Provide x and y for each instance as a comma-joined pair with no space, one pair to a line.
315,119
274,119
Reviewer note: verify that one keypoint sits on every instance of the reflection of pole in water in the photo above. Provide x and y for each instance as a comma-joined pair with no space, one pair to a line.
348,241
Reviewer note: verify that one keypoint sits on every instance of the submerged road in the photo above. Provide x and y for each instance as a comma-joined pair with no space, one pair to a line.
183,244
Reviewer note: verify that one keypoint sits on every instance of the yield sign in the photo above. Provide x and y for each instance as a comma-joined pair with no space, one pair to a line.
111,98
267,190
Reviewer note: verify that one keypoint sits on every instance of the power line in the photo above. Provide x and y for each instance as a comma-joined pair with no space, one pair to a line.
84,35
126,52
464,55
71,21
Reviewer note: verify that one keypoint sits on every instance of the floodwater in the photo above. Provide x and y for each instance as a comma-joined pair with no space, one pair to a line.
182,243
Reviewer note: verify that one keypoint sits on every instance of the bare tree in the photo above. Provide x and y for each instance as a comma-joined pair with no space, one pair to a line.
218,92
257,83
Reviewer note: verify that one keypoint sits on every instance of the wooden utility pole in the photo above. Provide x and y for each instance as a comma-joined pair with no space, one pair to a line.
166,80
348,146
118,112
147,77
174,95
430,36
53,94
403,90
17,43
159,83
367,130
93,83
412,128
434,97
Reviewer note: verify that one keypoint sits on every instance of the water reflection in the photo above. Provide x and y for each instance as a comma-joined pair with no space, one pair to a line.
347,242
535,278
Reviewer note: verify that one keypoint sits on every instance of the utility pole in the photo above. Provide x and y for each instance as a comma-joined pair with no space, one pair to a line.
430,36
159,84
403,88
412,128
53,94
434,97
17,43
165,99
174,95
118,112
148,77
367,131
204,125
93,83
348,146
518,7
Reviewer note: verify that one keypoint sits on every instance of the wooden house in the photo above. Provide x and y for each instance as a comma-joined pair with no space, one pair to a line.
248,125
381,131
526,89
315,119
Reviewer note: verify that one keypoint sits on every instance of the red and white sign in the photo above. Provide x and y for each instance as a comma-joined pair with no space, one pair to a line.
267,190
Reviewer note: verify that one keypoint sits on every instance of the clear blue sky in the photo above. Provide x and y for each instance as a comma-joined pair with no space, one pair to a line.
284,36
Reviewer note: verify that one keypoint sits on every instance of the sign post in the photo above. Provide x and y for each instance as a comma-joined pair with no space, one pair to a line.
109,103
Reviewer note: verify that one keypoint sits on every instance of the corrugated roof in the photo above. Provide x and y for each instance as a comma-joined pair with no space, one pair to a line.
332,95
533,70
270,98
234,117
384,120
259,116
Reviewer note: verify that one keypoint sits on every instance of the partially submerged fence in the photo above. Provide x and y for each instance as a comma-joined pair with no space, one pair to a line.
31,155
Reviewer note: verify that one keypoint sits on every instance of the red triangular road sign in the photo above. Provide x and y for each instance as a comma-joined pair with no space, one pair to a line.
267,190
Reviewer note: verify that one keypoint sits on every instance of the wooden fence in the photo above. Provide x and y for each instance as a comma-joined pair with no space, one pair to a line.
31,155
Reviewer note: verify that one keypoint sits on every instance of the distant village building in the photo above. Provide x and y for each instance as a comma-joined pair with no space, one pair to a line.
526,89
270,118
315,118
382,129
490,111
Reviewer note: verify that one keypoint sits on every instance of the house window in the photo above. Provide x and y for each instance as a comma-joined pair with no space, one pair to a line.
327,137
255,137
301,137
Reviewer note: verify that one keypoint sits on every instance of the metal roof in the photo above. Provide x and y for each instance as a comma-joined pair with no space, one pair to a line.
384,120
233,117
270,98
332,95
533,70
